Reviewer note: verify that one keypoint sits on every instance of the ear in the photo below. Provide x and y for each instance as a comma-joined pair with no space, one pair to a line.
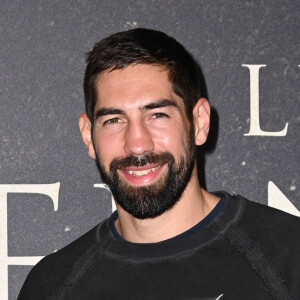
201,116
85,127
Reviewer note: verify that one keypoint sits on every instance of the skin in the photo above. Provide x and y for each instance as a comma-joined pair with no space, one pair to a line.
128,121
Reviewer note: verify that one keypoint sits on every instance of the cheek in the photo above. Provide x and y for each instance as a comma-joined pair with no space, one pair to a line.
172,140
107,147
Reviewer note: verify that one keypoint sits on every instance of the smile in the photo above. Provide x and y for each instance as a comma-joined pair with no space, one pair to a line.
142,172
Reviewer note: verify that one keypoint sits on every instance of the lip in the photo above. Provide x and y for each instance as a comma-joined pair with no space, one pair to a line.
142,168
145,179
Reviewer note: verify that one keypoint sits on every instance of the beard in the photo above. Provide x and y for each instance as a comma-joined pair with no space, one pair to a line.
152,200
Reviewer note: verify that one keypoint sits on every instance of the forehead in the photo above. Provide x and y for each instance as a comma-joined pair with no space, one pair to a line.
134,85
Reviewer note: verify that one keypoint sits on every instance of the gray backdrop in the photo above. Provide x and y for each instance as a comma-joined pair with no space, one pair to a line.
42,64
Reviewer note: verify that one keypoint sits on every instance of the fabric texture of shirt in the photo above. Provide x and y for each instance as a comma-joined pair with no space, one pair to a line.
248,251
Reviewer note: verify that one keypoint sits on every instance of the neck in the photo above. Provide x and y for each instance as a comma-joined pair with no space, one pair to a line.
194,205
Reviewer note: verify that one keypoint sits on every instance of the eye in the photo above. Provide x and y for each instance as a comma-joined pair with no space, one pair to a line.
159,115
112,121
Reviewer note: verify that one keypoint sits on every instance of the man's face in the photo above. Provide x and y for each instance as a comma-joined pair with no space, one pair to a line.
143,141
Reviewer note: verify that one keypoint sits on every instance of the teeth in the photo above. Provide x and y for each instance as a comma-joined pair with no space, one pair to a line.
143,172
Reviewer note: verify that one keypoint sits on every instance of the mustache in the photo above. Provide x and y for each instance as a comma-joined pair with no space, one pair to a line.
141,160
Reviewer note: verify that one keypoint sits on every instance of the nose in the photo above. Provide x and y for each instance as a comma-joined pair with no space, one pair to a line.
138,139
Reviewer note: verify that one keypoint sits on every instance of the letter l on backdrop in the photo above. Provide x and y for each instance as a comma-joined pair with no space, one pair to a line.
255,129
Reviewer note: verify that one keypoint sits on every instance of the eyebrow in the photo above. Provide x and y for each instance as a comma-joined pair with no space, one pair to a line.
108,111
159,104
116,111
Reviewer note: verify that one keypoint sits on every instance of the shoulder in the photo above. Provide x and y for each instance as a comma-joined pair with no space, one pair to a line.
48,274
255,217
267,219
260,220
276,233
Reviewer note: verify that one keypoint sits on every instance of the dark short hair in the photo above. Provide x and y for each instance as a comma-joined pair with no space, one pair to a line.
144,46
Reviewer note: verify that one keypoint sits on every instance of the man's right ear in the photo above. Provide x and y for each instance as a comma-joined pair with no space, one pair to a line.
85,128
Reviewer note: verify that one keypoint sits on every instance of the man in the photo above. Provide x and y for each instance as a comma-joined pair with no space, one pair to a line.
169,239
